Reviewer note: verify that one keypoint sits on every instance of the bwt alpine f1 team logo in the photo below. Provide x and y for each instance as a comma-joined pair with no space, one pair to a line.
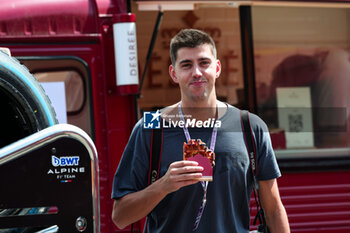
65,168
151,120
65,161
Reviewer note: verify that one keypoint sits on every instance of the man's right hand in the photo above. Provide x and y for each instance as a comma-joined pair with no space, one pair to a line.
135,206
180,174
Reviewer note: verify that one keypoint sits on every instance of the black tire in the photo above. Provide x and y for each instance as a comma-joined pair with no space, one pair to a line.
25,108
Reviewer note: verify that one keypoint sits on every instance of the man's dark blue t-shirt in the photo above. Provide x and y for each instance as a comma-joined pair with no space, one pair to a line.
228,195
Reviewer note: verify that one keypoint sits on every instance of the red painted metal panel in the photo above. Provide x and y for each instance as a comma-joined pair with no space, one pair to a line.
108,7
48,18
317,201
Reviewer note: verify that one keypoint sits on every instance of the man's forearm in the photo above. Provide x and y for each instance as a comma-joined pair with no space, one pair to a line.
135,206
276,216
277,221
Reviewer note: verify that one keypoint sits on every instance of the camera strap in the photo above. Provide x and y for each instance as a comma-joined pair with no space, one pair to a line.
155,156
250,145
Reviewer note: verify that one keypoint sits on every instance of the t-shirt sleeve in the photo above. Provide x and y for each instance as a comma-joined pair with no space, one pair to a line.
267,167
132,172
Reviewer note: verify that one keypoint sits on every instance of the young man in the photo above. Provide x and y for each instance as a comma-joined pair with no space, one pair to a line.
175,202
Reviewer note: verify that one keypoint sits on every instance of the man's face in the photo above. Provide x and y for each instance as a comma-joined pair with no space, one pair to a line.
196,70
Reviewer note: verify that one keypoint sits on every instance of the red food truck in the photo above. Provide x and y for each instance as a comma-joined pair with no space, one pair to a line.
286,61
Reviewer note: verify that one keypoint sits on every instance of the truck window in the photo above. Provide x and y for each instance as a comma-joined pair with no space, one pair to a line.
74,88
302,70
74,76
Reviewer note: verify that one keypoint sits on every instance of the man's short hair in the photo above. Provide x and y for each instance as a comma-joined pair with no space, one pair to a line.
189,38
